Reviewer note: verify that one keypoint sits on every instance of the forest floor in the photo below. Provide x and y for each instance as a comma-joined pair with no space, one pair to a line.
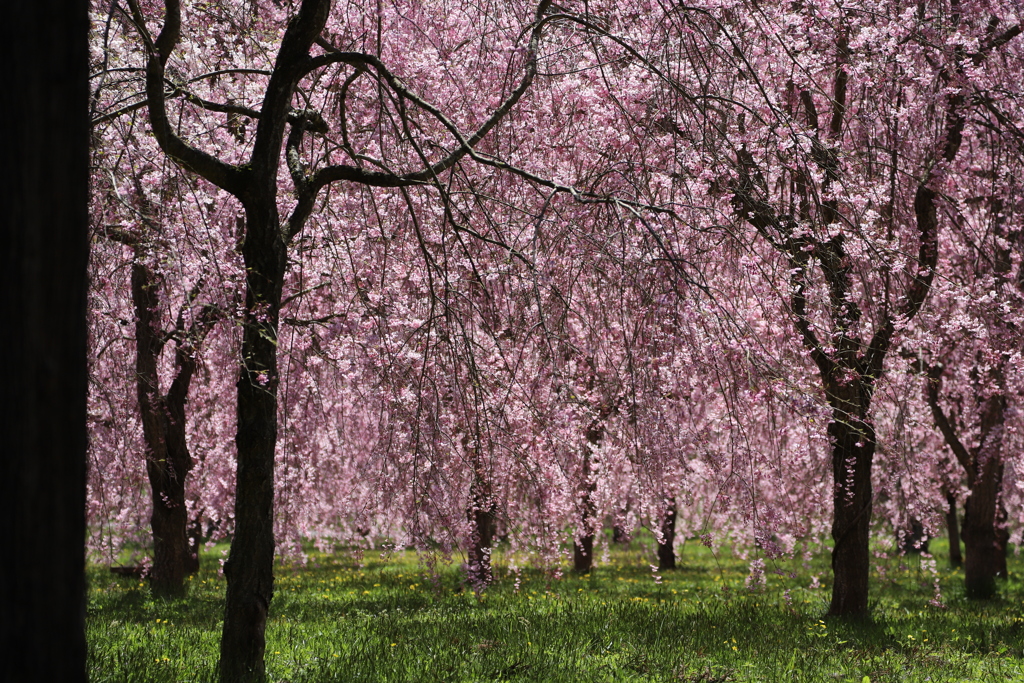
345,617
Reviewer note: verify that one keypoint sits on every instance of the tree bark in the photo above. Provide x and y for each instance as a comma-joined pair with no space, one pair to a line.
195,539
666,546
43,286
853,452
984,549
981,548
583,554
250,566
956,559
168,460
583,546
981,566
481,517
913,538
1002,540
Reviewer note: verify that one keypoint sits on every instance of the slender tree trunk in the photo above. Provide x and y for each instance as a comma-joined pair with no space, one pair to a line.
956,559
195,539
984,547
481,517
583,554
174,557
914,539
44,233
1002,540
250,566
984,544
853,449
583,547
666,546
619,533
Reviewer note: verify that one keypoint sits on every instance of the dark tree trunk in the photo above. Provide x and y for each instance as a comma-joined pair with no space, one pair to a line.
195,539
853,449
953,531
168,461
981,549
171,551
250,566
666,546
43,285
481,517
984,559
913,539
583,554
619,533
1002,540
583,547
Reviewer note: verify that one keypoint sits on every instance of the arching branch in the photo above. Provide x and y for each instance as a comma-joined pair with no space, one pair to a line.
226,176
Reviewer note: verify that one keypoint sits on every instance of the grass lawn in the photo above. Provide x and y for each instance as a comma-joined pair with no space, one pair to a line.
341,618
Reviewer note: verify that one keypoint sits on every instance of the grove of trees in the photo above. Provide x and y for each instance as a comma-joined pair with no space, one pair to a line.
437,274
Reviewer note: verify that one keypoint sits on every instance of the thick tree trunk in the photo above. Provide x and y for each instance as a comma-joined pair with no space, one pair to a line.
481,517
956,559
171,551
853,449
666,546
44,226
982,553
250,566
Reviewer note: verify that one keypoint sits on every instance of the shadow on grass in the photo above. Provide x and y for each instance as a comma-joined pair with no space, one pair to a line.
335,619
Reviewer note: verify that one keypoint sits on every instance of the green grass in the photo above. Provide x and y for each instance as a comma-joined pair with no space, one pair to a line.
337,619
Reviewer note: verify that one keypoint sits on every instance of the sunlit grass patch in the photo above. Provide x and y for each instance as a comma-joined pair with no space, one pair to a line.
338,618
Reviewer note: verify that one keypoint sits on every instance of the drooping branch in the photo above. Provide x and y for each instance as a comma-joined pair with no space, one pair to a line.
925,213
933,388
779,231
466,144
996,42
798,263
